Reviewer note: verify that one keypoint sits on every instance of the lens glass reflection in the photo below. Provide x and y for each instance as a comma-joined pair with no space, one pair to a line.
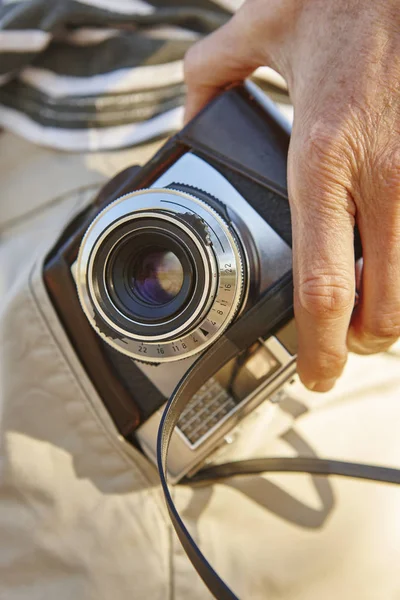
156,276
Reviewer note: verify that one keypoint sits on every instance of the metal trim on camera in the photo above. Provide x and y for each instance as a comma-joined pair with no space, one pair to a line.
174,318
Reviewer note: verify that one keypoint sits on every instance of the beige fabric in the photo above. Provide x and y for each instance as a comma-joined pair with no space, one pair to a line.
81,514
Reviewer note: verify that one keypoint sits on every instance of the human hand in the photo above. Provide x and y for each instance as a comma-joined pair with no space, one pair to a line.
341,61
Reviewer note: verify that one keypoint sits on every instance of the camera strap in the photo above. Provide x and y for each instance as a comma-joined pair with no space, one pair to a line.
274,307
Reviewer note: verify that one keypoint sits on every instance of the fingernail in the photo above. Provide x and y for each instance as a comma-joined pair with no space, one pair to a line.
322,386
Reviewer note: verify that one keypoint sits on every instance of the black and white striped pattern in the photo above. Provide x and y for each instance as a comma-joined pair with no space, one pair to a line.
98,74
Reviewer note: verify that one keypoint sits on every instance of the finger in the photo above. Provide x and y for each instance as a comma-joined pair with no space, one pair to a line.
224,57
323,262
376,321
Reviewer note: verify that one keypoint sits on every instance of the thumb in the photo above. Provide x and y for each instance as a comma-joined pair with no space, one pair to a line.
228,55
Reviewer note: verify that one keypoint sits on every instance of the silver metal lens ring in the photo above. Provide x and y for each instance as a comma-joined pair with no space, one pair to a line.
160,275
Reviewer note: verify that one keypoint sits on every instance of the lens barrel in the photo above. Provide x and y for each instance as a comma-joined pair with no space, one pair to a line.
160,274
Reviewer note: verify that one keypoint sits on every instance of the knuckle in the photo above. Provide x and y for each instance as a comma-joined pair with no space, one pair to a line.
383,327
382,190
192,62
385,174
319,164
324,295
323,144
318,140
389,168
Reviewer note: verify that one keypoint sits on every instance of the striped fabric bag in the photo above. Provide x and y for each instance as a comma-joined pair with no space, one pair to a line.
98,74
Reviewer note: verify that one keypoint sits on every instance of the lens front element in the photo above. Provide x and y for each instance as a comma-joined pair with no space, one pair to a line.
160,275
150,272
156,276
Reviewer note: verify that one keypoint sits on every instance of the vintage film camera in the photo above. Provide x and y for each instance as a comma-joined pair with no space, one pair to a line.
165,260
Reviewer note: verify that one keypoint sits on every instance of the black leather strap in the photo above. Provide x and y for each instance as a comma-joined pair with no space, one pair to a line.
272,309
298,464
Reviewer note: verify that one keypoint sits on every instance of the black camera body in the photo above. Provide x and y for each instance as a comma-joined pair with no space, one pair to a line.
165,260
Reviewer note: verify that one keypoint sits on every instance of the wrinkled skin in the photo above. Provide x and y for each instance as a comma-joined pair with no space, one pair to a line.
341,61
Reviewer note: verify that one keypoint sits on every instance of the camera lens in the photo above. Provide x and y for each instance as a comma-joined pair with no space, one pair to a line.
150,273
156,276
160,274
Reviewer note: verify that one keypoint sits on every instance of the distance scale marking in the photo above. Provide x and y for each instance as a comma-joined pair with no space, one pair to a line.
209,326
